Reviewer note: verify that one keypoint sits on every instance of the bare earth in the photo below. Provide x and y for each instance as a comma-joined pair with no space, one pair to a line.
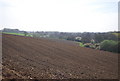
40,58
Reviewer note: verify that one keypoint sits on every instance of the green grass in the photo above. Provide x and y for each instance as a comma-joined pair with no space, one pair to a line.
21,34
13,33
81,44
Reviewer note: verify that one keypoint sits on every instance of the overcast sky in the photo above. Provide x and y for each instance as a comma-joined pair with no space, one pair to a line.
60,15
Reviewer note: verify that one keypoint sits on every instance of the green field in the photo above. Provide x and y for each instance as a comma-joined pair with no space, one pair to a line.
21,34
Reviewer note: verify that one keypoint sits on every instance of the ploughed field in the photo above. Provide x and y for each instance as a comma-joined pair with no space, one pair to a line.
40,58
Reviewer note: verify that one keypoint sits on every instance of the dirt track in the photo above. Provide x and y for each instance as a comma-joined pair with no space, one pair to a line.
27,58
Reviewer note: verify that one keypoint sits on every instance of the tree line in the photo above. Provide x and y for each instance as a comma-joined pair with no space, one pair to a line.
107,41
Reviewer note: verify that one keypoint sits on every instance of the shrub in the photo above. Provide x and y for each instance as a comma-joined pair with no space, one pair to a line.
25,33
109,45
81,44
87,45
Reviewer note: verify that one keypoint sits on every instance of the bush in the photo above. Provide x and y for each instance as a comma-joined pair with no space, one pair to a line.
109,45
81,44
87,45
25,33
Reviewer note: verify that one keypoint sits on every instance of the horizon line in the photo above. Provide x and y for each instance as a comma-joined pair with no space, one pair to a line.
62,31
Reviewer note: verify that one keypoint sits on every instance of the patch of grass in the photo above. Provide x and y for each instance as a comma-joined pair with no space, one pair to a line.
21,34
81,44
13,33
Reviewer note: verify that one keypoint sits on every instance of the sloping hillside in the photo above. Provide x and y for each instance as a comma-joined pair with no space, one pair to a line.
27,58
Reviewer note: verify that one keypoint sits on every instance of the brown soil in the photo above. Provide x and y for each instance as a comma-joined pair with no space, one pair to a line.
39,58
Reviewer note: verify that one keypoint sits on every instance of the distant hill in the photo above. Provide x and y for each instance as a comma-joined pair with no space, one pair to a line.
12,30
